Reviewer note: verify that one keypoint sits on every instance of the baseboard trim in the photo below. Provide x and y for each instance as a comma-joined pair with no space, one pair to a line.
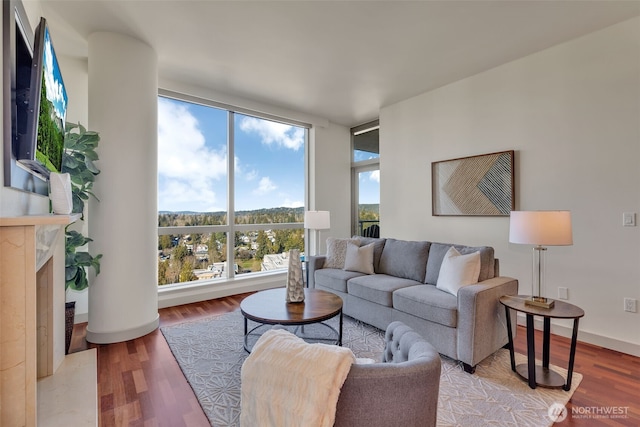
125,335
585,336
81,318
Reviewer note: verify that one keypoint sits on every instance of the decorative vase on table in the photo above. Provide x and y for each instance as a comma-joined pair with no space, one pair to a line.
295,284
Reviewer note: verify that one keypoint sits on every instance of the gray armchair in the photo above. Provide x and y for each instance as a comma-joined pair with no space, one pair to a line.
400,391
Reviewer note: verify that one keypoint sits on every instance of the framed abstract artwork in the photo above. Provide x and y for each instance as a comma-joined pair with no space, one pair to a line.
474,186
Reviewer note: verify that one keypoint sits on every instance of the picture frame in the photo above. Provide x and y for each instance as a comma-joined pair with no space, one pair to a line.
481,185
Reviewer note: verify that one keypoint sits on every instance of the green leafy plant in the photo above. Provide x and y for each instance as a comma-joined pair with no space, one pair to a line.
78,160
79,155
77,262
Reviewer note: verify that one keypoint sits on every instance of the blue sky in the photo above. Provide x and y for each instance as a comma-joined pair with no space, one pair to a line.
53,79
369,187
192,159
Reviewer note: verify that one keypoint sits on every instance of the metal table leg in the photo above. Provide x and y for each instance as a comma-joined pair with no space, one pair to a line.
546,341
531,352
510,333
572,355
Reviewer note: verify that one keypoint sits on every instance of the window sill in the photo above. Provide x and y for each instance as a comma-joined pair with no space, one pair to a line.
178,294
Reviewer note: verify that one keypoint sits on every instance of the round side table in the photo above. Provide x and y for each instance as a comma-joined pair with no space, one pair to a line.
534,374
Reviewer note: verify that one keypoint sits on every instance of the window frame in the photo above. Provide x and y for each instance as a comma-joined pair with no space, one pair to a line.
231,227
357,168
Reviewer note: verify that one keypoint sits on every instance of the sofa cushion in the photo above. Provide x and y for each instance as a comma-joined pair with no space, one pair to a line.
337,251
405,259
378,246
359,258
458,270
377,288
333,278
438,250
429,303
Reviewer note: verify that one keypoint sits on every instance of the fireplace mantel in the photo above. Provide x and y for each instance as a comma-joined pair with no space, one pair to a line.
32,314
47,219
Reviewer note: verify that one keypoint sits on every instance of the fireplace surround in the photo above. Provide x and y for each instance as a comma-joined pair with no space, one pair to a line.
32,295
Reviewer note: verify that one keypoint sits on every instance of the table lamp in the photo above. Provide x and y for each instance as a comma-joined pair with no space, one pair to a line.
540,228
316,220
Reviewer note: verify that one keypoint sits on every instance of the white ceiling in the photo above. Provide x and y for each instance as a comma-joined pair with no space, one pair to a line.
341,60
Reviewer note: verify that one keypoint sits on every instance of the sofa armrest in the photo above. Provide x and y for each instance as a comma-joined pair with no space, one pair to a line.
316,262
482,326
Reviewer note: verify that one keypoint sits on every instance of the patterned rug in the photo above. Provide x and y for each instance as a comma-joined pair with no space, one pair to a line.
210,353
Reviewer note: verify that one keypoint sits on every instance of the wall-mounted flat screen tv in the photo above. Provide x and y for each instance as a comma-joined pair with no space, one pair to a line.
40,148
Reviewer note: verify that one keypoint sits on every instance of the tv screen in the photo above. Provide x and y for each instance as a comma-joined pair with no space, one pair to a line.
42,145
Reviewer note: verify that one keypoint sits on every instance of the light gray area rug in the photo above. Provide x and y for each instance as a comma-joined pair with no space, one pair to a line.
210,353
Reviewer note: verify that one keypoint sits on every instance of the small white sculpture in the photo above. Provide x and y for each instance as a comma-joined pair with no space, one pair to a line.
295,283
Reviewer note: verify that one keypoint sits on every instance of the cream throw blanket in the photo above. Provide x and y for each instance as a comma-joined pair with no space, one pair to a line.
287,382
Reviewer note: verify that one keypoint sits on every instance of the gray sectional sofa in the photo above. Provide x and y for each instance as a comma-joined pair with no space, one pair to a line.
467,327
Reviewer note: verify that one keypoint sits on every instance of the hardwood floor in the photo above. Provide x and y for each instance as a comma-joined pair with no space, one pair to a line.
140,383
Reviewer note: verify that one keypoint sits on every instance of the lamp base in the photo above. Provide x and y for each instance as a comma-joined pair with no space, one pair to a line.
539,302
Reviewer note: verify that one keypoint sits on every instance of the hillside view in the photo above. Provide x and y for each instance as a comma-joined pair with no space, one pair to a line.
190,257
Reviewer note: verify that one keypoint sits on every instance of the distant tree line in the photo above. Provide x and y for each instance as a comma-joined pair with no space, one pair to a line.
259,216
177,257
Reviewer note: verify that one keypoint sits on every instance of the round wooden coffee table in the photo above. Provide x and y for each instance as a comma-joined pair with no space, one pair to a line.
305,319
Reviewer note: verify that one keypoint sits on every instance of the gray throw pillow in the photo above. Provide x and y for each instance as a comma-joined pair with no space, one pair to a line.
406,259
337,252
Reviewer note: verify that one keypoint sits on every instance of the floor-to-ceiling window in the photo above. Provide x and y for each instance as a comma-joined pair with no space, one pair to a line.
365,171
231,191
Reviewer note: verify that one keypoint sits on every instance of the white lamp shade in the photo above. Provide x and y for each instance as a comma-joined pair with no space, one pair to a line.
317,220
544,228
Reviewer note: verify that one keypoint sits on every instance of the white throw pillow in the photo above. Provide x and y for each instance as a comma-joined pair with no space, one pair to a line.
336,252
359,259
458,270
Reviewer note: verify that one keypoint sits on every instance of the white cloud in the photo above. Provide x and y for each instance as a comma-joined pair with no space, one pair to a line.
187,168
274,133
251,175
370,176
265,186
288,203
55,90
180,195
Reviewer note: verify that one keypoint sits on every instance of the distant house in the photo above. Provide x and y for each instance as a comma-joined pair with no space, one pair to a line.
275,261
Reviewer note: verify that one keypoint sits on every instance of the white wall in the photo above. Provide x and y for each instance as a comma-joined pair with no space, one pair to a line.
330,174
572,113
75,75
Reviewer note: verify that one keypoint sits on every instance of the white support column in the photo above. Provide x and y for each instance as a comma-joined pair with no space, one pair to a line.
123,91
